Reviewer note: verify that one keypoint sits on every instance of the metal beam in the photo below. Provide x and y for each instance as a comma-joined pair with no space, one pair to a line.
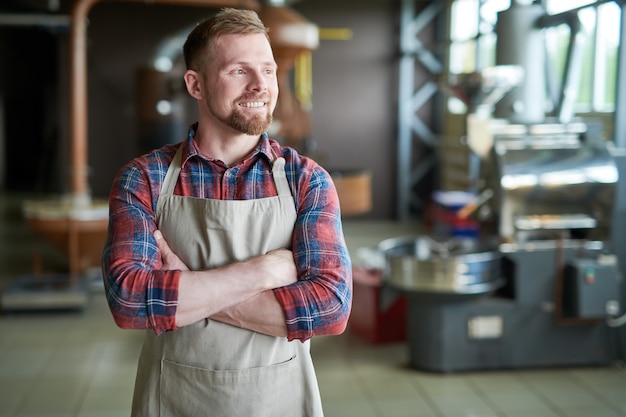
29,19
619,136
412,98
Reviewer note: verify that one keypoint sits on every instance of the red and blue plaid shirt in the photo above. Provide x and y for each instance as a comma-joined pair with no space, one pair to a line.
142,296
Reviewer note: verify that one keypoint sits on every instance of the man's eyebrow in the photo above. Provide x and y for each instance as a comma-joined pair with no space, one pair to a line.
251,63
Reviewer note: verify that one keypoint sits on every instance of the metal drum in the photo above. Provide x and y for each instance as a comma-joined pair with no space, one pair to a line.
420,264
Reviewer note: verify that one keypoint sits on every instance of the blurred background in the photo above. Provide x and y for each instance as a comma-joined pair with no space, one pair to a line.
478,150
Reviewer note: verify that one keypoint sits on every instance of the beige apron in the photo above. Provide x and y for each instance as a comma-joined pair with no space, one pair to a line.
211,368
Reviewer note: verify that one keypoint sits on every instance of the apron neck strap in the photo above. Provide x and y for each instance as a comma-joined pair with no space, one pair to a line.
172,173
280,178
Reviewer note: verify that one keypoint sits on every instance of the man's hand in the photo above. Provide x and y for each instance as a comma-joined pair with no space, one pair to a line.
278,267
168,257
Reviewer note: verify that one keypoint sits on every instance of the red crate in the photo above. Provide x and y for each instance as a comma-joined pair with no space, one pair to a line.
367,319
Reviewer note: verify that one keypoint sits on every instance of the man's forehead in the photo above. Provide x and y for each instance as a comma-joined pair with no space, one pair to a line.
239,48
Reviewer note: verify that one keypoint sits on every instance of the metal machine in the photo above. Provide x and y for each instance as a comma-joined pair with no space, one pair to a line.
542,283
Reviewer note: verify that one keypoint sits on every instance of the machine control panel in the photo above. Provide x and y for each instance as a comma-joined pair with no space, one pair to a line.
592,288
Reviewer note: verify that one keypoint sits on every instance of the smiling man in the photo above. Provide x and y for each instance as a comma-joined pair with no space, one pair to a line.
227,247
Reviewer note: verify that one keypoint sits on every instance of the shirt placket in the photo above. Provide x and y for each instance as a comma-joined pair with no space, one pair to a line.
229,184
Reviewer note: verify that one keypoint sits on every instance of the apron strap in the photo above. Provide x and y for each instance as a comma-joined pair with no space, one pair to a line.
280,178
172,173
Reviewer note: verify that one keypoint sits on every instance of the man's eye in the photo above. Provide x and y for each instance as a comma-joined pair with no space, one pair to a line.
239,71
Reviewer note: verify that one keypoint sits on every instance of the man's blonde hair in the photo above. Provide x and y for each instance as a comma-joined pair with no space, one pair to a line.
199,46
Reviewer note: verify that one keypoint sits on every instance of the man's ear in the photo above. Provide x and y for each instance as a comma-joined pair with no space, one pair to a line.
192,82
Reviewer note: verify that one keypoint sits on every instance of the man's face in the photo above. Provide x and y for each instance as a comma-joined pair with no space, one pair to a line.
240,87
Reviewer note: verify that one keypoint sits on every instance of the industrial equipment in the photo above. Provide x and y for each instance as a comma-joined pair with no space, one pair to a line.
541,284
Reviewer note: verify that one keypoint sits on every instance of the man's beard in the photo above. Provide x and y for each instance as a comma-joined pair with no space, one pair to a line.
256,125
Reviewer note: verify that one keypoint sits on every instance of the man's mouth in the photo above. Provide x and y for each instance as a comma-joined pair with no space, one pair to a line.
253,104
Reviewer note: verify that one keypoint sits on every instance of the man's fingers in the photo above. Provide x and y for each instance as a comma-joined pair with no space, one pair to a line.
169,258
162,245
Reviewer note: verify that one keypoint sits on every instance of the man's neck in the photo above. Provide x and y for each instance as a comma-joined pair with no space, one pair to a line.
229,147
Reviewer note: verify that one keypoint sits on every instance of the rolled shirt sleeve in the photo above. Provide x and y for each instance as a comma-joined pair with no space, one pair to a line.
320,302
140,295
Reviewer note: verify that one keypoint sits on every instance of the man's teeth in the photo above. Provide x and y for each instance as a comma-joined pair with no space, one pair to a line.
253,104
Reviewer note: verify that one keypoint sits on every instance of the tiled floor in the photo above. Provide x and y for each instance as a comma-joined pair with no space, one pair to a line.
80,364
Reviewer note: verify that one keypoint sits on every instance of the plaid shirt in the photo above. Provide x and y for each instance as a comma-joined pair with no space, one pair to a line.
142,296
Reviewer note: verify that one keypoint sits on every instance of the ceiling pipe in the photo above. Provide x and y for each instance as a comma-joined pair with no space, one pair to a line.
80,195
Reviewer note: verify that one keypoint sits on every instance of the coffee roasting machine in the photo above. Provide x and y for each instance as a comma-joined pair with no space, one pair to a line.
541,284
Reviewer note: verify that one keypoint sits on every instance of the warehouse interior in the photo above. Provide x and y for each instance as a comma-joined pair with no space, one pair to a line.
479,151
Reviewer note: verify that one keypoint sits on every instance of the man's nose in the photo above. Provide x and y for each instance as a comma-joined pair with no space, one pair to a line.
259,80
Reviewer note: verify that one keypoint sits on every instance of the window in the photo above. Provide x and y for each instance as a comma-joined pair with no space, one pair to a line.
473,45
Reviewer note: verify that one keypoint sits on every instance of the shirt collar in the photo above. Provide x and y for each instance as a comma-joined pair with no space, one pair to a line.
190,148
